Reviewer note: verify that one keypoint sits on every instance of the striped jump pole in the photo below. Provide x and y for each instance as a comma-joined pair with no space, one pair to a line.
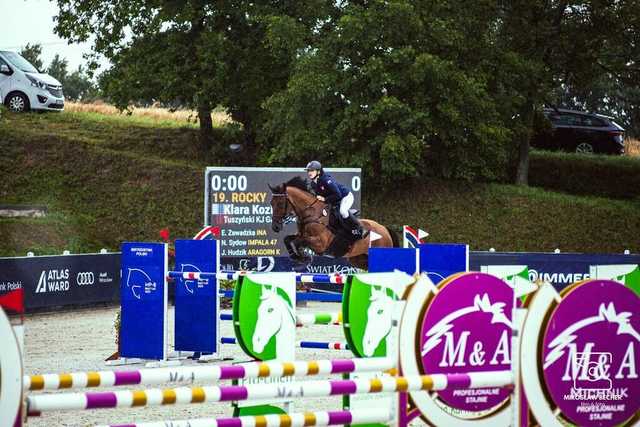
37,404
234,275
302,344
320,418
306,319
191,374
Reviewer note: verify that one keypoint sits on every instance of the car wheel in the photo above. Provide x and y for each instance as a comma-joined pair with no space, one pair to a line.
17,102
584,148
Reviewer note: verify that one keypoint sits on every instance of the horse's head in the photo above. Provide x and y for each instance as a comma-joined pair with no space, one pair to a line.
280,207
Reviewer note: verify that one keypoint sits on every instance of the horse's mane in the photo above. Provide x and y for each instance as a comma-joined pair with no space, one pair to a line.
298,183
295,182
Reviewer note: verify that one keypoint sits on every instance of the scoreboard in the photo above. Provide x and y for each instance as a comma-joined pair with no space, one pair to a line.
238,199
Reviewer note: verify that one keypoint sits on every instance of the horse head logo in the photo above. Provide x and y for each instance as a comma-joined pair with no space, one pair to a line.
379,319
188,283
480,304
276,317
606,313
138,280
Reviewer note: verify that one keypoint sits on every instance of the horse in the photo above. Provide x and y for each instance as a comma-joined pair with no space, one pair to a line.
315,236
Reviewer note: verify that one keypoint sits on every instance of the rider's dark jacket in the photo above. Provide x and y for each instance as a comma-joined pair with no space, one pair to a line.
327,187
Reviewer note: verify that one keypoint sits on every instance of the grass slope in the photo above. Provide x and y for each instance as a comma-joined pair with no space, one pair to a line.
107,179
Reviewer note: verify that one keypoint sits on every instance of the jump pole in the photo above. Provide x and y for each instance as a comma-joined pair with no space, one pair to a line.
319,418
191,374
184,395
305,319
321,345
337,279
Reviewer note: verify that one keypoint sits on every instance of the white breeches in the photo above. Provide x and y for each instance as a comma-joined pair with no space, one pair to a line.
345,205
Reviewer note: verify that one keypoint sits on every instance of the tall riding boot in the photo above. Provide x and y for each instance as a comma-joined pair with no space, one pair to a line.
353,226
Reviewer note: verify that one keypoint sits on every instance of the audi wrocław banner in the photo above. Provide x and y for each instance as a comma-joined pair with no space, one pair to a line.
238,201
51,281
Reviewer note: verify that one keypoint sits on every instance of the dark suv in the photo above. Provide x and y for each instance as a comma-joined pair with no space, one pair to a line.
578,131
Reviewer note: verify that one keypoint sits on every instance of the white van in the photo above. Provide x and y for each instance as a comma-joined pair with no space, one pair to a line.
24,88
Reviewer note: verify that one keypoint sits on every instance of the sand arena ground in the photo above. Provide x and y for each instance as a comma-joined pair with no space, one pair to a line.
80,340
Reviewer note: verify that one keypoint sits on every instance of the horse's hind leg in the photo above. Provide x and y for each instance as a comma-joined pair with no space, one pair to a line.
360,261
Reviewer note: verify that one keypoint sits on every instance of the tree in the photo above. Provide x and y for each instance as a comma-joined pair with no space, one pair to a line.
547,44
58,68
78,86
32,54
196,53
398,87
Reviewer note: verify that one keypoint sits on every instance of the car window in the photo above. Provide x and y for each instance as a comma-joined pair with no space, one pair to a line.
568,120
593,121
555,118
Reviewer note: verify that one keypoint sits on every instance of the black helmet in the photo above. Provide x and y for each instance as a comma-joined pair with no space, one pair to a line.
313,165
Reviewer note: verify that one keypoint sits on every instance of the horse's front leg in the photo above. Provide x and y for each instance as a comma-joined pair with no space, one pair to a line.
296,246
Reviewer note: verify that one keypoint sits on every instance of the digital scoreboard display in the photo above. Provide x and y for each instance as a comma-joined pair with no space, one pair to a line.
238,201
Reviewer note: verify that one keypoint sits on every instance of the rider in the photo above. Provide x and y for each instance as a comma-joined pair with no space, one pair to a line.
330,191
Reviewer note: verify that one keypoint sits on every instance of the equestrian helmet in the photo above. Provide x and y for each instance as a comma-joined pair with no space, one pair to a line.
314,165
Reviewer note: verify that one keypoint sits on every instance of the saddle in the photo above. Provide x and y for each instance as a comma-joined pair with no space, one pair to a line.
343,240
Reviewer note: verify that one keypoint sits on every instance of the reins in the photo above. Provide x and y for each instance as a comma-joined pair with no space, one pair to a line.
304,220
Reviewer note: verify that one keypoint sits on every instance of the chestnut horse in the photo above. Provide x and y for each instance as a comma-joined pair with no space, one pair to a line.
292,200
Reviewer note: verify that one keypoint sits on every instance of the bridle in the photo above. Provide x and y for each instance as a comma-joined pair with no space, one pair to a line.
290,217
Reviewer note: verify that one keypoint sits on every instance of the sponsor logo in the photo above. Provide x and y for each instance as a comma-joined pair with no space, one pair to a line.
10,285
266,264
85,278
590,354
462,325
332,269
557,278
53,281
191,284
140,283
372,310
264,306
468,327
244,264
104,278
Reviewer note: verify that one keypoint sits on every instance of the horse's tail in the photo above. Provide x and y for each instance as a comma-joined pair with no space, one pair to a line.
394,237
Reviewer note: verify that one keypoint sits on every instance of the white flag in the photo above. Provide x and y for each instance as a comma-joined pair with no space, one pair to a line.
422,234
373,236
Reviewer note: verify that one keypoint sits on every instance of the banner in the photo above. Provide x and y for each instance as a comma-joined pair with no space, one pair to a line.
60,280
143,322
560,270
196,300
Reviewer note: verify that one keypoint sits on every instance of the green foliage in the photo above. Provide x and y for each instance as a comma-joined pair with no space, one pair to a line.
32,54
107,179
193,53
76,85
561,44
374,92
401,88
613,177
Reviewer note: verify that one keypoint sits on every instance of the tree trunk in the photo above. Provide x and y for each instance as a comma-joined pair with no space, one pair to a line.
522,173
206,128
